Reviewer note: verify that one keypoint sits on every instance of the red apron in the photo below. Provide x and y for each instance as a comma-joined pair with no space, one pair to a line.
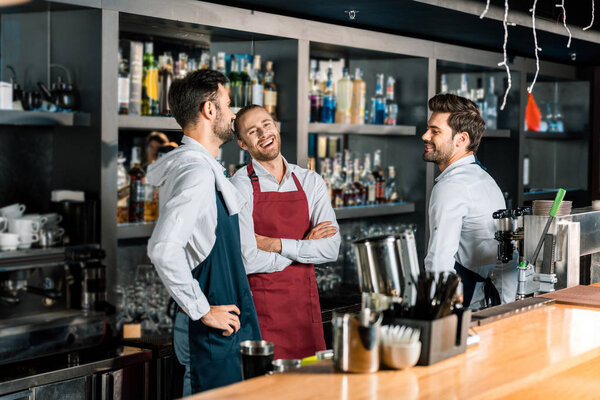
287,302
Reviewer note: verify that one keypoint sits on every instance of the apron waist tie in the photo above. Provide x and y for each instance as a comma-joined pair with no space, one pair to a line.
470,279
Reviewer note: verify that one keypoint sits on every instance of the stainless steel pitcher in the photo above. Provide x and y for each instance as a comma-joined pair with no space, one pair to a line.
386,264
356,343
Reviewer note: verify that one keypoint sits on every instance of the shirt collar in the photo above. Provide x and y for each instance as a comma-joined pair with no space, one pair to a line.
194,144
262,171
463,161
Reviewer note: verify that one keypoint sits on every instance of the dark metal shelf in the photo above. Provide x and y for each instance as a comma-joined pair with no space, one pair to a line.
497,133
43,118
374,211
555,135
23,259
139,122
135,230
366,129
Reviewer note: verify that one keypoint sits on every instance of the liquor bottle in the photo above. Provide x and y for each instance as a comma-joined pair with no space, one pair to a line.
183,65
480,97
490,106
270,91
361,191
165,78
150,203
313,95
391,189
122,191
221,63
391,114
149,82
135,51
444,84
464,86
326,174
328,111
368,181
359,90
349,190
378,103
337,185
246,82
257,82
123,85
344,99
379,178
526,174
137,179
235,86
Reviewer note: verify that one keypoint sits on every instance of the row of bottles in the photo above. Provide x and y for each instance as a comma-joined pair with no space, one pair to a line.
351,184
344,101
144,81
137,201
486,99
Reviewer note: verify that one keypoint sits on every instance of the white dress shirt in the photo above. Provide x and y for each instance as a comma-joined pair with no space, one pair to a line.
185,232
315,251
462,228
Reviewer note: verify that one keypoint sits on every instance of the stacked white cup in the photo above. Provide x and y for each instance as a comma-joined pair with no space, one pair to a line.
10,240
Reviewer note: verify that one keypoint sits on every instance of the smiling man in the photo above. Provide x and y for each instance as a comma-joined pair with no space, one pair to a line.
462,203
289,209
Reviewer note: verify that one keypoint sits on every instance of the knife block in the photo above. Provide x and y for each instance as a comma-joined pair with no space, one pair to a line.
440,338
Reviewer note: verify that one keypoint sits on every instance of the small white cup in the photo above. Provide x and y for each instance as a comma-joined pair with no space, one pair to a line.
12,211
3,224
52,219
23,226
35,217
9,241
26,239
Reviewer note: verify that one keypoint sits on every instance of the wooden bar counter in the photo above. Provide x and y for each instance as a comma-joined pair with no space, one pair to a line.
548,353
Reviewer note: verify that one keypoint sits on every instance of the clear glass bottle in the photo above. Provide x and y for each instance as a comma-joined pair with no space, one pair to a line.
235,86
361,191
328,110
444,83
313,96
122,191
270,91
246,82
368,180
257,82
344,99
391,189
378,174
137,179
349,190
359,91
337,185
464,86
165,78
123,85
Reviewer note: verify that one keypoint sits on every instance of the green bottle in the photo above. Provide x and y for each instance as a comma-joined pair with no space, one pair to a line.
149,82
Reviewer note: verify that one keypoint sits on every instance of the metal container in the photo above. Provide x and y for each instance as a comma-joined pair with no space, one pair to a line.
257,358
386,264
355,345
285,365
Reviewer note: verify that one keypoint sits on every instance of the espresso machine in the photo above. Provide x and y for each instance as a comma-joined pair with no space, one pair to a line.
52,300
555,252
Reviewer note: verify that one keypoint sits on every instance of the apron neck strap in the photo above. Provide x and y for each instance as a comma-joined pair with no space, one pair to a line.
254,179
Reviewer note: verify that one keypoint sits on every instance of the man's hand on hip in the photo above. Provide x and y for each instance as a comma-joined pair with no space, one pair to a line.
269,244
221,317
323,230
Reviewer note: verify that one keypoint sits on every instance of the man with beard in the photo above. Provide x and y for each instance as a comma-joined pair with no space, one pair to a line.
462,203
196,246
289,209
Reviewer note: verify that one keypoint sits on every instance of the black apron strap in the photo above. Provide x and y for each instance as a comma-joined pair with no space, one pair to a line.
470,279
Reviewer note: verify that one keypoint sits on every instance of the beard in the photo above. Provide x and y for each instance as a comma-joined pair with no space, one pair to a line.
223,129
438,156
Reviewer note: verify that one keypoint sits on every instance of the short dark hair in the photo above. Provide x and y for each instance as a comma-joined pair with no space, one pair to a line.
188,95
464,116
244,110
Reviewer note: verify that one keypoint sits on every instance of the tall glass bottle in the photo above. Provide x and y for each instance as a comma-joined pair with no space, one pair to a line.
361,191
377,111
246,82
123,85
344,99
391,114
137,192
391,189
378,174
123,191
270,91
359,91
368,180
490,102
165,77
235,86
464,86
337,185
257,82
328,111
313,95
444,84
349,191
149,82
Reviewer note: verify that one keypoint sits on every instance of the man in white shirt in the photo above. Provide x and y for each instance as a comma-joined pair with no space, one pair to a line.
290,211
196,245
462,203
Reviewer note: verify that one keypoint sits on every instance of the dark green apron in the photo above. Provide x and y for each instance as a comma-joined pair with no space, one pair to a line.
214,358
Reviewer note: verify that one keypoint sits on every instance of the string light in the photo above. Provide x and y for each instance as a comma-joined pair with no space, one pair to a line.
537,58
487,7
505,62
564,12
591,23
